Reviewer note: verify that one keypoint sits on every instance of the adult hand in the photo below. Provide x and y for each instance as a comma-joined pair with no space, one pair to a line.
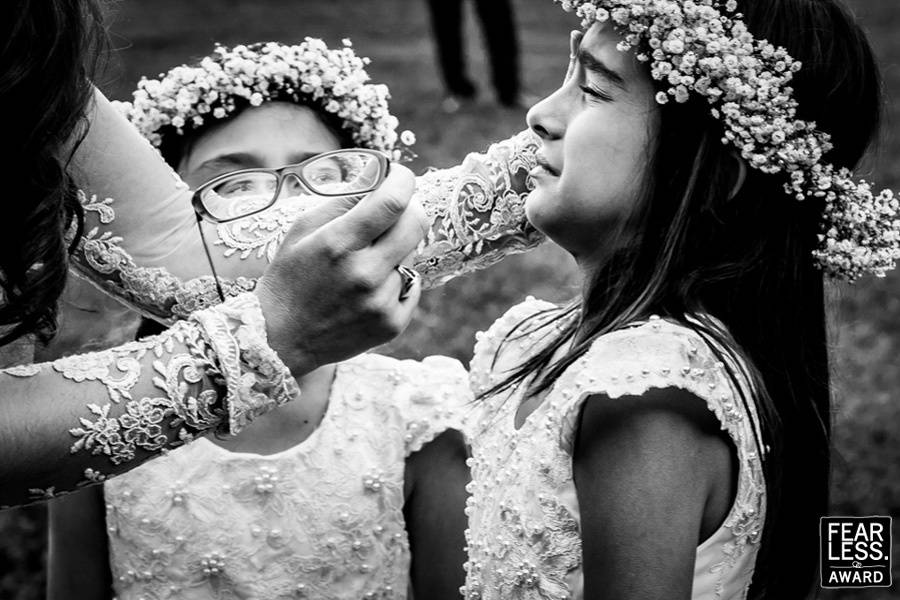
335,292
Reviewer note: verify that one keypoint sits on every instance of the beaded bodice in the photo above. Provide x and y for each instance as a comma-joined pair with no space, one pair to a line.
524,528
322,519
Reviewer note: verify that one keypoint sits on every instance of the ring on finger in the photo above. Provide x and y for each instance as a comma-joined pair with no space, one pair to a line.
408,278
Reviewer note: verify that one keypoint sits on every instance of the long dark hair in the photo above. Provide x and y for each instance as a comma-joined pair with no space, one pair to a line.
744,260
49,51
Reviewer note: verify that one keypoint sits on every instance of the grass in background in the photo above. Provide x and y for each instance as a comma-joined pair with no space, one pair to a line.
153,36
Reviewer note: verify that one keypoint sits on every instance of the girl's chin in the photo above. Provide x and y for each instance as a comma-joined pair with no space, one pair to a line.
541,210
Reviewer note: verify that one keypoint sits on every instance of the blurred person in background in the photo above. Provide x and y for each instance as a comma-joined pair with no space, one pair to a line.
500,36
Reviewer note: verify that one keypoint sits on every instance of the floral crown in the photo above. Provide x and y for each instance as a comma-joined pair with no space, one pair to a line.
189,96
703,46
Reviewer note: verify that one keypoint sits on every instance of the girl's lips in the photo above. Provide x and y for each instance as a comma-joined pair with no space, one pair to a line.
545,166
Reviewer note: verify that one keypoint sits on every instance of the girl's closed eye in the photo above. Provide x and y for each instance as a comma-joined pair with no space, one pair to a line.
596,93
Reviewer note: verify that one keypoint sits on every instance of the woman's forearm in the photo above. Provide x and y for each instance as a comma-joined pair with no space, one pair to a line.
141,241
81,419
477,210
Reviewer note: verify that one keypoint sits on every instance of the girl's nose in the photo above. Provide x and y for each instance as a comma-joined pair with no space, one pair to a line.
546,119
291,186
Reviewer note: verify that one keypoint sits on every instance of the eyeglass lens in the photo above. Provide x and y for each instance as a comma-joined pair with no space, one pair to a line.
338,174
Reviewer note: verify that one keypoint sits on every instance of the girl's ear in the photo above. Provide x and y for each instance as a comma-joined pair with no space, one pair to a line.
739,175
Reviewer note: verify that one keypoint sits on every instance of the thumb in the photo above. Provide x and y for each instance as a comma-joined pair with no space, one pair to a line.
310,220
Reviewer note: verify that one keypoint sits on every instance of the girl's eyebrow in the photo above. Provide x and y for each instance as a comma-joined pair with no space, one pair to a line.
595,65
238,160
223,163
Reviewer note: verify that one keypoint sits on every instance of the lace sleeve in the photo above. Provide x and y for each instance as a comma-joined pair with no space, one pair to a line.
477,210
81,419
141,241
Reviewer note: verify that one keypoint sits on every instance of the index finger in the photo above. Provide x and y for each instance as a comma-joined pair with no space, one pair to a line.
377,212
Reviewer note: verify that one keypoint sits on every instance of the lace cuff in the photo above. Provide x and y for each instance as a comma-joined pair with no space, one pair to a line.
477,210
256,379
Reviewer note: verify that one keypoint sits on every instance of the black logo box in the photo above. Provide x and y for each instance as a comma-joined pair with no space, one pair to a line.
855,552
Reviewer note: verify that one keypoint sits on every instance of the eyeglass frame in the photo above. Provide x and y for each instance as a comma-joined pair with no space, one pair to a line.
203,214
384,164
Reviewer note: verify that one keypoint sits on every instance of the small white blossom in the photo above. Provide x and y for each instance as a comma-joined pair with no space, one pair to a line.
407,138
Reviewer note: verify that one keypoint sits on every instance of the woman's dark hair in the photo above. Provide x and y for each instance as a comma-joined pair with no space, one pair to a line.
49,51
745,261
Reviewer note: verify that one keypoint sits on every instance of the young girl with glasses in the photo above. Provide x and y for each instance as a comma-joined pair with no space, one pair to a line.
667,434
355,492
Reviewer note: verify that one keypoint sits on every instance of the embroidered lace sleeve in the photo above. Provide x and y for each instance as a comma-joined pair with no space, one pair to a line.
440,400
80,419
141,241
477,210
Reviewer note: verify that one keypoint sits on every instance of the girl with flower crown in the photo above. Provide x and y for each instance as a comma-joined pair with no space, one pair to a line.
350,493
667,434
77,420
99,200
717,241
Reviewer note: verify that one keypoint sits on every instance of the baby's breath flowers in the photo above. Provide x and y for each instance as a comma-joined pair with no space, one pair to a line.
703,47
333,80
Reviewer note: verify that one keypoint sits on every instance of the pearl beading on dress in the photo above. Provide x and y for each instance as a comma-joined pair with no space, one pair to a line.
524,533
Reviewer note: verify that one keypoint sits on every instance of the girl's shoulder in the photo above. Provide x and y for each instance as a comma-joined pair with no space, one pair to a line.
658,354
424,397
662,354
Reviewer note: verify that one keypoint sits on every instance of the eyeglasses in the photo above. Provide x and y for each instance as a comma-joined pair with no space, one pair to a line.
240,194
244,193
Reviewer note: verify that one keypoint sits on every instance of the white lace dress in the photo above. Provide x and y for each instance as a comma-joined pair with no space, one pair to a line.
322,519
524,525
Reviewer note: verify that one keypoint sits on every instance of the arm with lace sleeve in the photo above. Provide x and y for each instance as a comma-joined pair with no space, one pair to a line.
141,241
81,419
477,213
477,210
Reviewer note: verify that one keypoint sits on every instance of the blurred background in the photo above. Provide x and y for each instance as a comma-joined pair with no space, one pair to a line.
150,37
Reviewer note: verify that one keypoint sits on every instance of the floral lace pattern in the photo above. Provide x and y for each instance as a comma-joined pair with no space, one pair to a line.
256,379
523,536
346,480
213,372
153,291
477,212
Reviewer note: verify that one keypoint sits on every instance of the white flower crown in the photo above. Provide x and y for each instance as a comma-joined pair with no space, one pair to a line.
694,46
189,96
